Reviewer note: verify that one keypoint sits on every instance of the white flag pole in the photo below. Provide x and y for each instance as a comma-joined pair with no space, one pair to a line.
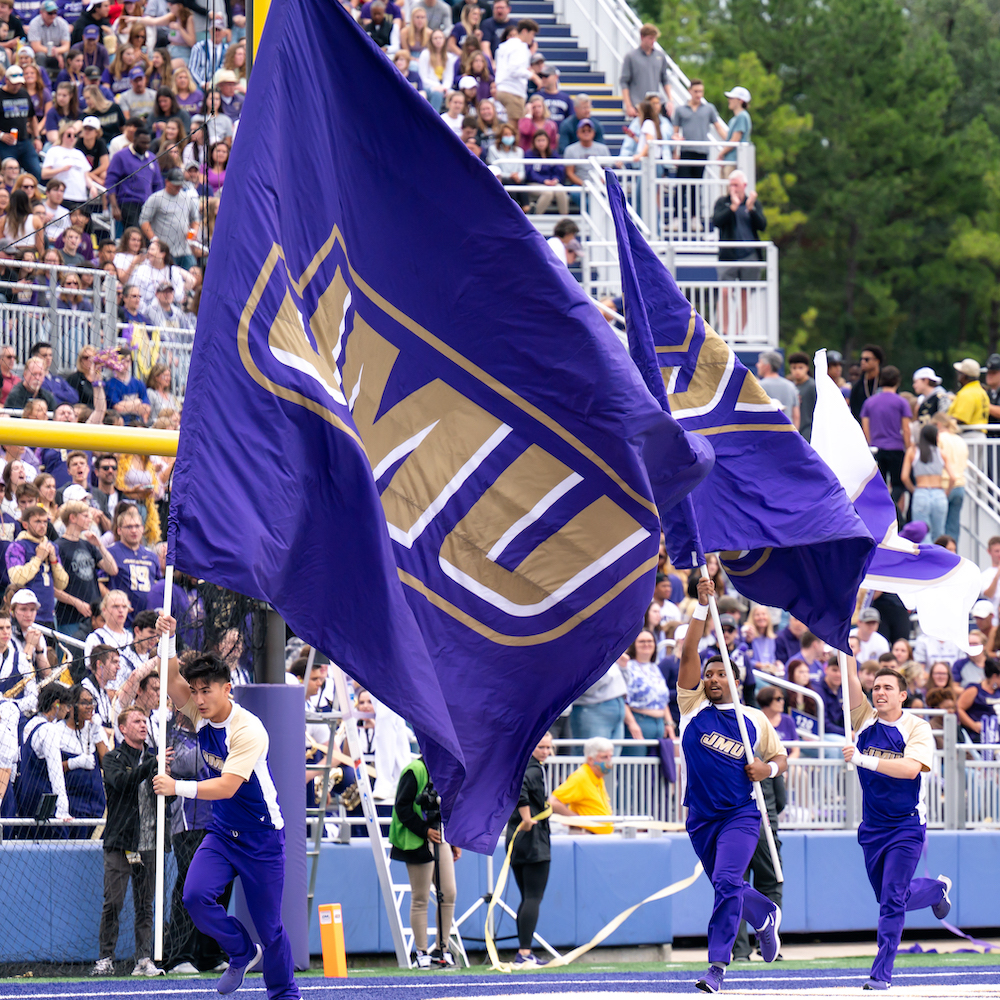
161,768
741,722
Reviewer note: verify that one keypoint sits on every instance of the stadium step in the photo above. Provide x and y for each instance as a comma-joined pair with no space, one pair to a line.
529,8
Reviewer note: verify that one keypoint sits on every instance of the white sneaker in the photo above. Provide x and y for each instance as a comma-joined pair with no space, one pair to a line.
145,967
104,967
422,960
184,969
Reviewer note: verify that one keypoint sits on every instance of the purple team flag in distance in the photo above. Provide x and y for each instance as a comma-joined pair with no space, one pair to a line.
783,526
406,426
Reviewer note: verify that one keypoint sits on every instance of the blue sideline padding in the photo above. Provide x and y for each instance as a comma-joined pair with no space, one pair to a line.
592,879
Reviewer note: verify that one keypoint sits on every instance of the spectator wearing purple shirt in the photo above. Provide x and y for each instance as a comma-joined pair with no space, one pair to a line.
133,175
885,419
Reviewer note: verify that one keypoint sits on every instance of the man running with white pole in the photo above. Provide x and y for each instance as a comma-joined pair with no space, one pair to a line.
892,749
724,821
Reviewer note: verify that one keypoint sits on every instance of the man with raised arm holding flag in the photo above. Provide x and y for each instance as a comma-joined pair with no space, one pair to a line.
246,835
892,749
723,819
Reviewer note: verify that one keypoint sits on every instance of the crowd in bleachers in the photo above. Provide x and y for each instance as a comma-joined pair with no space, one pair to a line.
116,122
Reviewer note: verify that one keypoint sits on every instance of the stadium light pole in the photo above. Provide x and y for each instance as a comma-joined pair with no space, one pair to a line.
734,693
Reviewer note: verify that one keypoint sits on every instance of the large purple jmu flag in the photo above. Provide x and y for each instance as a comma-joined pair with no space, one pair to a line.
407,428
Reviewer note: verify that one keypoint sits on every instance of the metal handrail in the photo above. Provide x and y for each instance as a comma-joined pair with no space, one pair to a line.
762,675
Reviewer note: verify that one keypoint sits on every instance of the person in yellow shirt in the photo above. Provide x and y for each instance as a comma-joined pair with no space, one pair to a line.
972,404
583,792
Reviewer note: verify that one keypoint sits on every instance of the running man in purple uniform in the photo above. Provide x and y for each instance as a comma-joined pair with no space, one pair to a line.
892,749
723,820
246,835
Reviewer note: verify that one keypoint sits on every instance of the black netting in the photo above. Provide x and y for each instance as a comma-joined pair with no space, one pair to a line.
55,874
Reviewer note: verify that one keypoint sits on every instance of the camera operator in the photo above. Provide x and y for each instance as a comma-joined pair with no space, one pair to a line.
416,838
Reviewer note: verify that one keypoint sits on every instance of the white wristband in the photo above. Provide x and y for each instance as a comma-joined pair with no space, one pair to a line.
700,612
865,760
773,765
172,649
186,789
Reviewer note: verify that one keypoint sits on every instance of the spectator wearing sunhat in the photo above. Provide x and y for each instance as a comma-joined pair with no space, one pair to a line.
48,35
138,101
232,102
930,396
740,127
971,406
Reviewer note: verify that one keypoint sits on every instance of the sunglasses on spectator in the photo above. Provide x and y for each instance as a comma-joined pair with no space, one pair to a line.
108,468
728,628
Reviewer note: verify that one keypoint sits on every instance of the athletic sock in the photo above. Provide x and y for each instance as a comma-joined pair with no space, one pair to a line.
719,965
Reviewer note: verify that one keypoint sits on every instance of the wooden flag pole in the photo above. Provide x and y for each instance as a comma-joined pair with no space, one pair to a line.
742,723
161,768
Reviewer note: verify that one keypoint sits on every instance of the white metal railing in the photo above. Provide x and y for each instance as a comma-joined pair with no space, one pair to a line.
980,519
743,312
823,791
48,316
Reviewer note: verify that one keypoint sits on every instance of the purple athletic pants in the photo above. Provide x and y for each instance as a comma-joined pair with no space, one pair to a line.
891,856
258,857
725,844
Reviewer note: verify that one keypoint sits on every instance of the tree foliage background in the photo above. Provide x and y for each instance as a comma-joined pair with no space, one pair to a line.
876,124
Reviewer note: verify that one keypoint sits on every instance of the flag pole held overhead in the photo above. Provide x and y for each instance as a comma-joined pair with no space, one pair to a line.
741,722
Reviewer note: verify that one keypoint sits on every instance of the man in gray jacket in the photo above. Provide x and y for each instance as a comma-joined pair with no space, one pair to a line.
644,71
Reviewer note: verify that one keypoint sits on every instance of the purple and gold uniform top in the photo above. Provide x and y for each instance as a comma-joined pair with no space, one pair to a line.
713,752
892,802
238,746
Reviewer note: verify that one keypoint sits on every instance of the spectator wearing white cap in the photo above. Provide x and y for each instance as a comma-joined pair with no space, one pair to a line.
930,396
740,127
985,618
645,70
18,125
67,163
48,35
207,55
